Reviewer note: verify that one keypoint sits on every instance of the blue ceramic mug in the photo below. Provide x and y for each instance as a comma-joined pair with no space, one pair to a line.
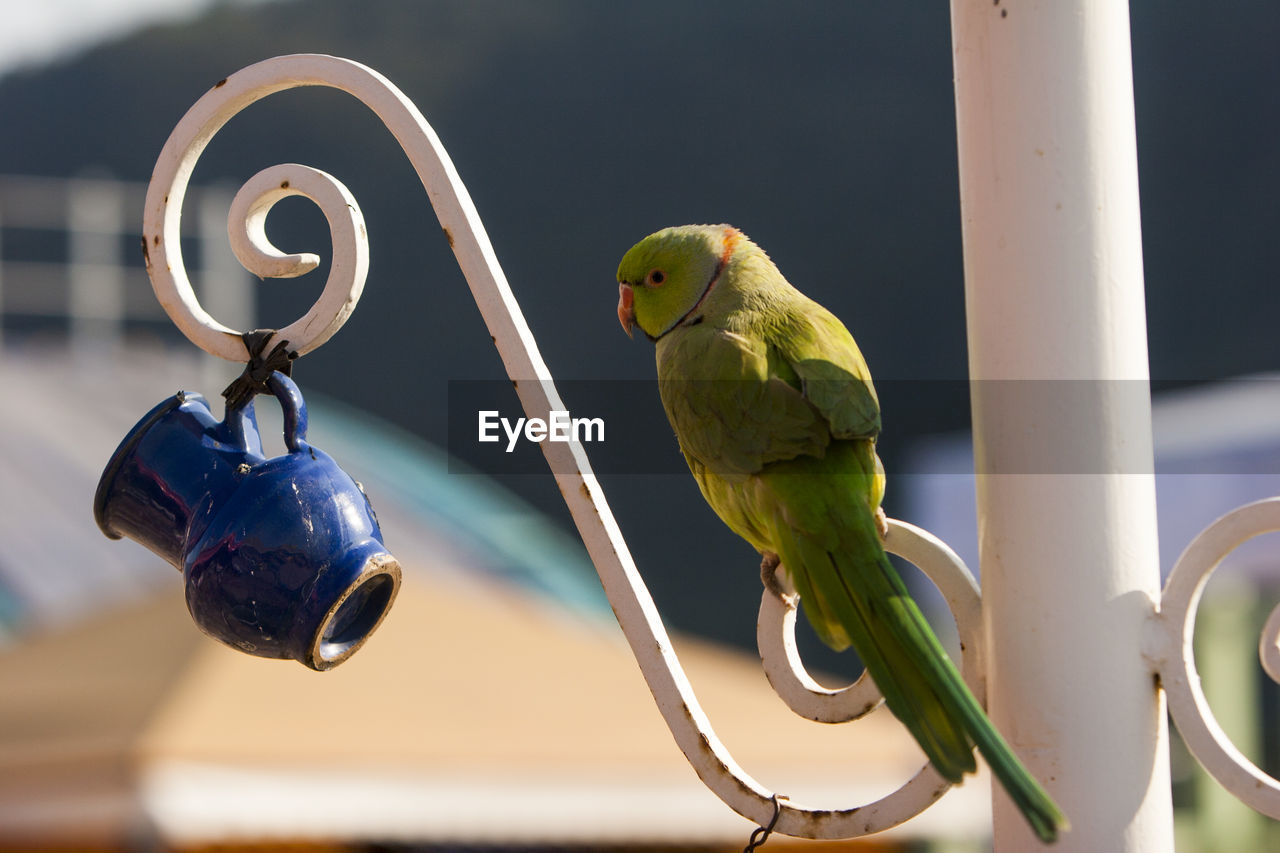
282,557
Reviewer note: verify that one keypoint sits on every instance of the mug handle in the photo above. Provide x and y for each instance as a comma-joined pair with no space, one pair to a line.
239,428
295,411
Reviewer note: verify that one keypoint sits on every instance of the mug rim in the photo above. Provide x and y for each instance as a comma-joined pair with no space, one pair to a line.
125,449
381,564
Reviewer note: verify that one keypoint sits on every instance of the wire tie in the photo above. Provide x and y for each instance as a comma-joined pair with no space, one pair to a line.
761,833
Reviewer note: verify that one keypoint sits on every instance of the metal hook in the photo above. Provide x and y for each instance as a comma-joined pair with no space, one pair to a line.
632,603
761,833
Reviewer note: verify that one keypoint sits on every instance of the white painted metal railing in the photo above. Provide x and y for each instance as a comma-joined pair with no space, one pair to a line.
94,286
1041,681
582,492
1169,651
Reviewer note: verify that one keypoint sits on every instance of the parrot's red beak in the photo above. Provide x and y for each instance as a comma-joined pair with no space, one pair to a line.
626,308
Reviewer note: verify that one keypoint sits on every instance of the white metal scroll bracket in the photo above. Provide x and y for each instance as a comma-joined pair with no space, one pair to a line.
1171,653
631,601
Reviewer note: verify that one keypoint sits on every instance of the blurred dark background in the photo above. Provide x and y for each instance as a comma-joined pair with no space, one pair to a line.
824,129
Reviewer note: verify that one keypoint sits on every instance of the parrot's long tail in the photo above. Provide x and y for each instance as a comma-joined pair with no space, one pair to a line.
854,596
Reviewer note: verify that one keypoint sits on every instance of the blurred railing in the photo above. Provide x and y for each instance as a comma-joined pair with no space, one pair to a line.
70,252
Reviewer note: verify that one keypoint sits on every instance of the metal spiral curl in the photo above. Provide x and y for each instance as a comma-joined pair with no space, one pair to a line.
1173,655
775,637
637,615
775,633
246,229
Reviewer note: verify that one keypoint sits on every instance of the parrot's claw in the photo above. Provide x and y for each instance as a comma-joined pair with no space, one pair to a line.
882,523
769,564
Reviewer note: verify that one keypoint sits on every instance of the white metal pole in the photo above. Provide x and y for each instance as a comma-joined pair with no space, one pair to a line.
95,220
226,289
1061,409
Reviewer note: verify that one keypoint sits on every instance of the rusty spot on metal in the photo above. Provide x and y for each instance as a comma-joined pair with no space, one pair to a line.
448,235
705,743
582,487
284,185
156,240
220,83
813,820
146,253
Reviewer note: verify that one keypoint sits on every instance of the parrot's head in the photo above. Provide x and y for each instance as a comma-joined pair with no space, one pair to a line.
665,279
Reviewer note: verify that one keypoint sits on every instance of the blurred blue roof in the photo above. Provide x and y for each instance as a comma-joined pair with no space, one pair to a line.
65,411
1217,447
497,532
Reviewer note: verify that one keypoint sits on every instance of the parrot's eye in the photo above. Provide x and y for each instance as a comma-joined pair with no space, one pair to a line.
656,278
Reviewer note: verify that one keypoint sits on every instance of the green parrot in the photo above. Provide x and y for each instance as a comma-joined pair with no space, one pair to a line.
774,410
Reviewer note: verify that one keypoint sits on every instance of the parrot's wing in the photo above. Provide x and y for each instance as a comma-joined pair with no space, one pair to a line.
731,412
832,372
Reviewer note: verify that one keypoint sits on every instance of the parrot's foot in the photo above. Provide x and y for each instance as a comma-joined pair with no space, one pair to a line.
882,523
769,563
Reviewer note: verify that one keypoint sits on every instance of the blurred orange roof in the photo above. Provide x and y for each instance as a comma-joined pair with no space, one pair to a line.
473,714
495,705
